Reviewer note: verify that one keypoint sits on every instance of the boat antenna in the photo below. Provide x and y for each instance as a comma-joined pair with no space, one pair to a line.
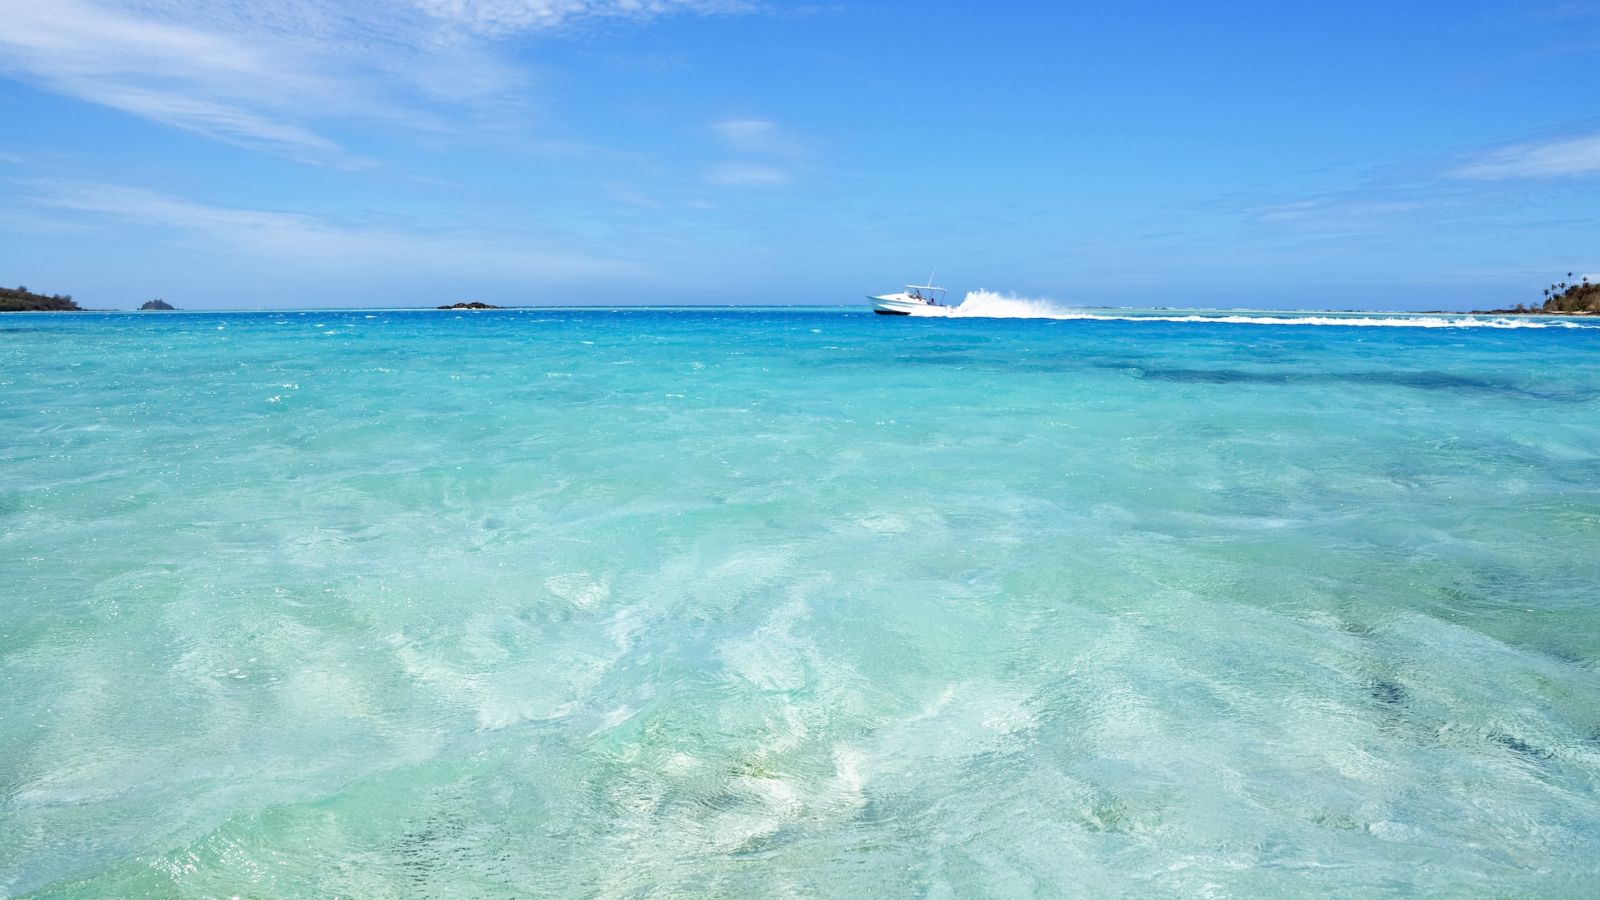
930,277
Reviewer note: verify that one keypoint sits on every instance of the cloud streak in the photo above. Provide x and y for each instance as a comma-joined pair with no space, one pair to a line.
769,154
1560,158
505,16
747,135
1487,187
223,86
1333,209
747,175
283,77
303,240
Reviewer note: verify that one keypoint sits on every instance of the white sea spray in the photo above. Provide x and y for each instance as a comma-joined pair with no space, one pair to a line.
986,304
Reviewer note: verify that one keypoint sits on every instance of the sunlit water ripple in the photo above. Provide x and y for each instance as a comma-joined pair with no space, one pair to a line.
795,602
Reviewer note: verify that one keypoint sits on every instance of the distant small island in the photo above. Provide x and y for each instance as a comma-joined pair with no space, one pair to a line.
1562,298
473,305
20,299
157,303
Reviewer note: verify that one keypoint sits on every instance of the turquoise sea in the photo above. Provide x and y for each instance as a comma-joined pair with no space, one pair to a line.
798,602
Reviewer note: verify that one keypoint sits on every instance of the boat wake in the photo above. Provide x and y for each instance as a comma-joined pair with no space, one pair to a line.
991,305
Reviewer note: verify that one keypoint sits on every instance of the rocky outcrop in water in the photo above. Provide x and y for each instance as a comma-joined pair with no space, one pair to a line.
473,305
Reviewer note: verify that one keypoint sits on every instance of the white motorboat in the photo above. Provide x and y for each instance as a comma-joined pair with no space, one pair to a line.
908,302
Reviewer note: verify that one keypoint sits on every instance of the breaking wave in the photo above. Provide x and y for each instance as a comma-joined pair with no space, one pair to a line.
991,305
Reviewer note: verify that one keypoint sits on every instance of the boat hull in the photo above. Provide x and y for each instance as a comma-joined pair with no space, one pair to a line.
897,305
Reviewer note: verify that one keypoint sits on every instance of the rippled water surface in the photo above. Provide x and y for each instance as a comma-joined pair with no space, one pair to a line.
796,602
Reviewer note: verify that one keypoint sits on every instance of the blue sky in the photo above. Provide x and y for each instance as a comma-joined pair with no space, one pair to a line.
222,153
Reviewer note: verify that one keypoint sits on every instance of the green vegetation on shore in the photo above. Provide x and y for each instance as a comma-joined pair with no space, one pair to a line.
20,299
1561,298
1582,297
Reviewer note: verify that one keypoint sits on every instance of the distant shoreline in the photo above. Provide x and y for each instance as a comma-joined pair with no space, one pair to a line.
1066,313
20,299
39,303
1524,312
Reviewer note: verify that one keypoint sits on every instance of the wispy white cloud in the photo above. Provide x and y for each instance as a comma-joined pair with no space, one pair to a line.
1424,199
1331,209
770,154
283,76
1557,158
747,175
172,73
226,122
747,135
500,16
303,240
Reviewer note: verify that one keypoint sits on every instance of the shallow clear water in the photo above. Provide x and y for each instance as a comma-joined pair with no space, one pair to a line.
795,602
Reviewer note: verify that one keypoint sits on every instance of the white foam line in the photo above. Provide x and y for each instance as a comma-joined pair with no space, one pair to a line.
1354,321
990,305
